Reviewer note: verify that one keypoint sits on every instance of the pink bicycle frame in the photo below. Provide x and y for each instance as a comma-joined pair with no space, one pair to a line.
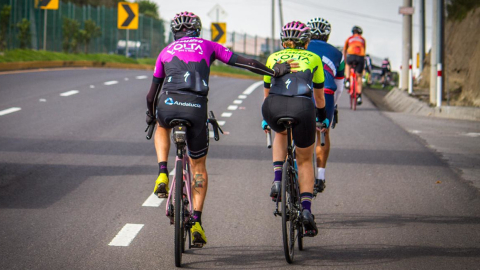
187,173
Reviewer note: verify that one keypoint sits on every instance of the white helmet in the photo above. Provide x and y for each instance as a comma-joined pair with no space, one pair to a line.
320,28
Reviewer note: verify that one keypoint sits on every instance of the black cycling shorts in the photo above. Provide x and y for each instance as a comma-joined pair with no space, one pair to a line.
190,107
358,60
301,109
384,71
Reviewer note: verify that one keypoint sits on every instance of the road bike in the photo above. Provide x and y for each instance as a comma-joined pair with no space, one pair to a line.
353,87
179,206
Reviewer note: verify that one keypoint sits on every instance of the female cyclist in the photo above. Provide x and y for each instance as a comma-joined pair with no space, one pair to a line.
291,96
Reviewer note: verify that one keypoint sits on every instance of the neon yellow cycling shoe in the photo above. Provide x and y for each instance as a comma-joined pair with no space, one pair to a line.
161,186
198,235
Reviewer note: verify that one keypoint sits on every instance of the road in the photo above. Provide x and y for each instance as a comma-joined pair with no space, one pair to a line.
76,170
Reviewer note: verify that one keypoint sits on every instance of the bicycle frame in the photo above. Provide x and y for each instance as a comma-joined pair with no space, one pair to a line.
187,189
353,87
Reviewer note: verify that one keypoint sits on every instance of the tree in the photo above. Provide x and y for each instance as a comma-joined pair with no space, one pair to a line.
71,35
90,32
4,24
148,8
24,34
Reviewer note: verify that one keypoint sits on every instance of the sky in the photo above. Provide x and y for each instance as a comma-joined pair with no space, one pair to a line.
379,19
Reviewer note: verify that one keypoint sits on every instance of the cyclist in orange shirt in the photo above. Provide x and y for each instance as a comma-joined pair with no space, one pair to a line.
354,52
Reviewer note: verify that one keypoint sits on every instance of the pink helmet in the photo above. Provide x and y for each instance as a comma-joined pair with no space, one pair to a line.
296,31
186,19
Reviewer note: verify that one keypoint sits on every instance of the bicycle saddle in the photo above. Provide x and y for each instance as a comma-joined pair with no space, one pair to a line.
285,120
179,122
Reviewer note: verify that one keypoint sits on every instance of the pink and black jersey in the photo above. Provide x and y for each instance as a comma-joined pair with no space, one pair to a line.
185,64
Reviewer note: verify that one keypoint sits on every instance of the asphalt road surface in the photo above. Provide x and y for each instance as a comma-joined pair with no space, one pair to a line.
76,176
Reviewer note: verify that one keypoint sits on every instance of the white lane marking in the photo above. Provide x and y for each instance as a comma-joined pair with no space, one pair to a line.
153,201
472,134
221,123
226,114
237,101
232,107
126,235
42,100
242,96
126,79
141,77
211,134
92,86
252,88
110,82
172,172
11,110
69,93
415,131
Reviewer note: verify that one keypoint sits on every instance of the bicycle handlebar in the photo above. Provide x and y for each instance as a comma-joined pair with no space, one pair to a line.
149,130
269,137
214,123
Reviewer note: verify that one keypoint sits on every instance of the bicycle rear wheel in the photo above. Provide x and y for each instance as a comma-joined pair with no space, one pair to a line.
353,96
179,214
288,229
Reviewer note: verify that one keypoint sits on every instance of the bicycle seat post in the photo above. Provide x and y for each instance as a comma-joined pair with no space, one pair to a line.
179,134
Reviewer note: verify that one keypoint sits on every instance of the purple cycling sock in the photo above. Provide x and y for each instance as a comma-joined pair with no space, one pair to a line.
306,199
162,168
197,216
277,169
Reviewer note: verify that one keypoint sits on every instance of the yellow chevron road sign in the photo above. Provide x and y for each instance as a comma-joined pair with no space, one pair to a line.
127,15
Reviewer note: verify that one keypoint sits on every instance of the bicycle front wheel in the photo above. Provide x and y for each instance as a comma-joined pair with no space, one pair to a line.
179,214
288,229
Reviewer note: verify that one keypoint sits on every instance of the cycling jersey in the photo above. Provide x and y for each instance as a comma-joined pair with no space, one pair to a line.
386,64
185,64
310,73
355,45
333,63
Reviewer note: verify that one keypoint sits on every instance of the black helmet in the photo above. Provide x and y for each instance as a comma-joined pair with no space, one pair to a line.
357,29
188,20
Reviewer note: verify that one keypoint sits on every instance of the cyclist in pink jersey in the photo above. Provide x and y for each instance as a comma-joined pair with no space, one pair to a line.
179,90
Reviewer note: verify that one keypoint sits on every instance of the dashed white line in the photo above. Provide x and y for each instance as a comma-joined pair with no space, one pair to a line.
211,134
126,79
141,77
226,114
472,134
252,88
414,131
126,235
237,101
92,86
69,93
153,201
232,107
221,123
11,110
110,82
42,100
242,96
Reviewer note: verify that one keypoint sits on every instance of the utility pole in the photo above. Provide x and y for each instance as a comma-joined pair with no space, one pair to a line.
281,13
433,55
440,50
273,26
421,47
407,42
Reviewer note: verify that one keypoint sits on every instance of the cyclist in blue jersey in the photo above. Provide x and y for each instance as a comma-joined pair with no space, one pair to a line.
334,67
179,90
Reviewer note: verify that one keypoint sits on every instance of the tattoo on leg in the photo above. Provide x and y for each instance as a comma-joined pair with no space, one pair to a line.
198,182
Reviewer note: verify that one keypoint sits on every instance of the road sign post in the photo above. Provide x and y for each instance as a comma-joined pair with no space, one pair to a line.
127,19
46,5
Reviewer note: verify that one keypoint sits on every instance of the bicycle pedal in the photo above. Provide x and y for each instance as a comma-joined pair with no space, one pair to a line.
309,233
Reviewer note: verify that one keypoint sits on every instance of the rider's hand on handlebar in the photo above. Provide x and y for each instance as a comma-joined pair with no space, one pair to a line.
265,126
149,119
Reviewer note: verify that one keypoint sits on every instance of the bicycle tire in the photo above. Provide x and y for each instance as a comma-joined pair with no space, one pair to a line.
288,230
179,219
300,236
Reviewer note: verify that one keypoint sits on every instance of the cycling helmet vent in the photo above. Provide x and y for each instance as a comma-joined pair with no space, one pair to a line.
186,19
320,28
297,32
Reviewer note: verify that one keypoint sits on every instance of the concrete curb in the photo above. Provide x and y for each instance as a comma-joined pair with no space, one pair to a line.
400,101
12,66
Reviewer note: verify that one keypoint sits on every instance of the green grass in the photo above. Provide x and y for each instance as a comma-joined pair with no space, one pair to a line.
18,55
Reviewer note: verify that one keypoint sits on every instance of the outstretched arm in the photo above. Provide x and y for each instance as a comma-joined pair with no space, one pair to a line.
153,94
255,66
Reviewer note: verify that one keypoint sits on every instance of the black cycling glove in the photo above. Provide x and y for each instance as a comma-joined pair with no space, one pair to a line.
281,69
149,119
321,114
